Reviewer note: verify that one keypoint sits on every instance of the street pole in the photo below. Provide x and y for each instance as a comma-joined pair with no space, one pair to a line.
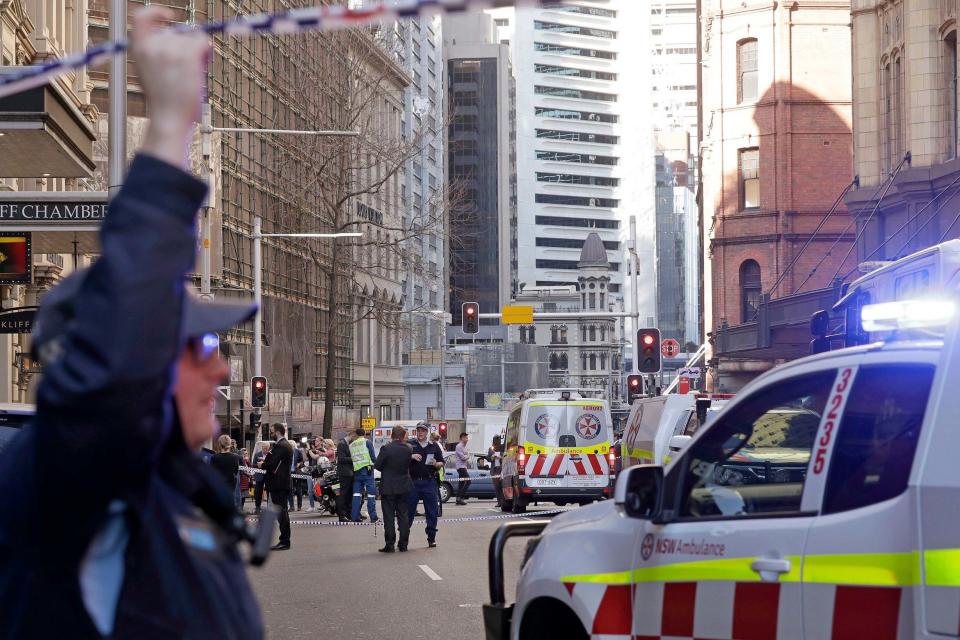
257,297
634,283
117,96
503,378
443,371
206,119
370,358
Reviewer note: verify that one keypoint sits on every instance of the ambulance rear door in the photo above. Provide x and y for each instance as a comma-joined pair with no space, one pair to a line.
567,443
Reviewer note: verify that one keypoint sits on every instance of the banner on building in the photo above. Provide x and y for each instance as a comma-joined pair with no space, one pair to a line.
15,258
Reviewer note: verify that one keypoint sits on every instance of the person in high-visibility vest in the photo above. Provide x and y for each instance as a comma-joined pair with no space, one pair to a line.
361,452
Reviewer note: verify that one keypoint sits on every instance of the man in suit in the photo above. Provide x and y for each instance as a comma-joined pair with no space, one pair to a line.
277,480
393,463
345,476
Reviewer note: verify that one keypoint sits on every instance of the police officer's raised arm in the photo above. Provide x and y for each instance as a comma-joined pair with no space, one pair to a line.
108,365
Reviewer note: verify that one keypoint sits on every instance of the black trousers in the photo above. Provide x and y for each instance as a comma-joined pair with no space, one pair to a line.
279,498
464,484
394,507
345,499
258,492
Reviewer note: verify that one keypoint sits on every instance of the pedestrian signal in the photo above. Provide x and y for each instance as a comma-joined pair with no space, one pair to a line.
258,391
442,429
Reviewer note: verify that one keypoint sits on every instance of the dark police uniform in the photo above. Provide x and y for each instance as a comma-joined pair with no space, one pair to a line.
425,486
165,520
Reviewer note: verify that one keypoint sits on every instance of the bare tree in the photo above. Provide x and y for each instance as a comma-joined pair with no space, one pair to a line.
353,184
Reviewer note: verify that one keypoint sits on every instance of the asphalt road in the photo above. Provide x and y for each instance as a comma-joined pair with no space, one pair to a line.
334,583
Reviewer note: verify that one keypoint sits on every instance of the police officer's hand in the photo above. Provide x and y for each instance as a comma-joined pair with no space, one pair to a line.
172,71
417,457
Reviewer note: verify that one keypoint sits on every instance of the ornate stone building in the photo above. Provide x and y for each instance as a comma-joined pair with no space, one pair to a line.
904,102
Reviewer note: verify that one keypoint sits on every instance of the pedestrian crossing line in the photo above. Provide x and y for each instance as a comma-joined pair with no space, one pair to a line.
430,572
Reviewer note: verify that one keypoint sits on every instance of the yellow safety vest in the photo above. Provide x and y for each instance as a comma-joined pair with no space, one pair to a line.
359,454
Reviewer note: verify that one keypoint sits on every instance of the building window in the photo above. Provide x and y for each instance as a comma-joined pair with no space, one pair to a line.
593,331
593,362
749,290
950,86
563,361
749,179
746,71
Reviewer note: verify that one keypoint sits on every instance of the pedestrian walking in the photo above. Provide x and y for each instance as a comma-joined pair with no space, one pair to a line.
305,468
393,463
462,458
435,439
258,458
495,454
227,464
277,480
361,452
427,459
131,364
345,477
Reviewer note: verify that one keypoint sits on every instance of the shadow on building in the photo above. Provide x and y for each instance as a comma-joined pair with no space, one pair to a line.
776,256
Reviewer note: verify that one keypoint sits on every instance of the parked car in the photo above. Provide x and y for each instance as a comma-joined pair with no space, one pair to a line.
481,484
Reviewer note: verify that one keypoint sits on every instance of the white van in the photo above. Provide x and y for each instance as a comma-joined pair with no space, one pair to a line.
558,448
659,427
381,435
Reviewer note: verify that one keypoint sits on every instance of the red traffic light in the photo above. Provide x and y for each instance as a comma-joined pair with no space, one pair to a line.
259,384
648,339
442,428
634,381
471,311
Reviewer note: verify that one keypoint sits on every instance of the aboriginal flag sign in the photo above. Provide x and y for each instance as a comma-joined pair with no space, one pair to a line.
15,258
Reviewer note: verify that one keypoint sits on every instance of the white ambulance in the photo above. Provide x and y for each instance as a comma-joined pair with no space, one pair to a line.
822,502
661,426
558,447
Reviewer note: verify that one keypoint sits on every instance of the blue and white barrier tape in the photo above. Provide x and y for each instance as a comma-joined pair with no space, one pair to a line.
321,18
531,514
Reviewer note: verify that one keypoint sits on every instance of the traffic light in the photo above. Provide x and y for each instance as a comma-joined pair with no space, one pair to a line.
442,430
648,350
258,391
634,387
471,317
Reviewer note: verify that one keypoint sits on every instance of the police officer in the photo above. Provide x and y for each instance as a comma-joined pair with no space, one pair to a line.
361,452
427,459
131,364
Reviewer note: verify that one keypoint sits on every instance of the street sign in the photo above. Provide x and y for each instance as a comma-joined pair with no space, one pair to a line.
690,372
516,314
369,423
669,348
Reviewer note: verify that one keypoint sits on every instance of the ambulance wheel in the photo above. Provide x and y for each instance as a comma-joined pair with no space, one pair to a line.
548,619
445,492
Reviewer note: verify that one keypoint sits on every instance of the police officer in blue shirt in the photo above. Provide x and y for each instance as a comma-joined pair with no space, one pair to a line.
131,363
427,458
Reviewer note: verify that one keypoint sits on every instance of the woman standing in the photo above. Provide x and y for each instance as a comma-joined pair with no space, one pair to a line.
228,464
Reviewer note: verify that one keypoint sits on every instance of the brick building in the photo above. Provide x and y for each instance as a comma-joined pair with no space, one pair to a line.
904,101
776,150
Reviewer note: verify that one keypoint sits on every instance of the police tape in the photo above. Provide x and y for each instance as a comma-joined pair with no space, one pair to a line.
304,476
320,18
505,516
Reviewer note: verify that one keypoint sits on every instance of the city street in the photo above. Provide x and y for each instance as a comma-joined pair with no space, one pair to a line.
333,578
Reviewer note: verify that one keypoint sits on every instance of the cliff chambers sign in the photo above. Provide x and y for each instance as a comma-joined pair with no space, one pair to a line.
52,212
17,320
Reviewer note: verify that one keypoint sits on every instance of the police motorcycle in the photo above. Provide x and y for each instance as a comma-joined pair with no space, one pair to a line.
326,485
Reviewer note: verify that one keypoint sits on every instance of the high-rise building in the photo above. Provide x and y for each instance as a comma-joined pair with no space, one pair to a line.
481,165
673,45
584,149
419,50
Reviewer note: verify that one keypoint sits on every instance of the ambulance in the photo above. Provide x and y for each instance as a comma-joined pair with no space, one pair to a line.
558,447
822,502
661,426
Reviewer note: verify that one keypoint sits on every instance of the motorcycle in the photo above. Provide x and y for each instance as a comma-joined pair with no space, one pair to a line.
326,487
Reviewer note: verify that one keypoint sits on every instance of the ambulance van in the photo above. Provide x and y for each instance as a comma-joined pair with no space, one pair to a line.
558,448
821,502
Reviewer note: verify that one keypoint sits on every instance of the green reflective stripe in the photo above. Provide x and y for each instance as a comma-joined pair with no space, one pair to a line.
942,567
726,569
867,569
638,453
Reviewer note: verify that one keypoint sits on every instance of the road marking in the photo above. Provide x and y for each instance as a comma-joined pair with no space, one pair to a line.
430,572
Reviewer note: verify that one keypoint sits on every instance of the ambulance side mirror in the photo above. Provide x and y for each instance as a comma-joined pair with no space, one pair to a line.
639,491
679,443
